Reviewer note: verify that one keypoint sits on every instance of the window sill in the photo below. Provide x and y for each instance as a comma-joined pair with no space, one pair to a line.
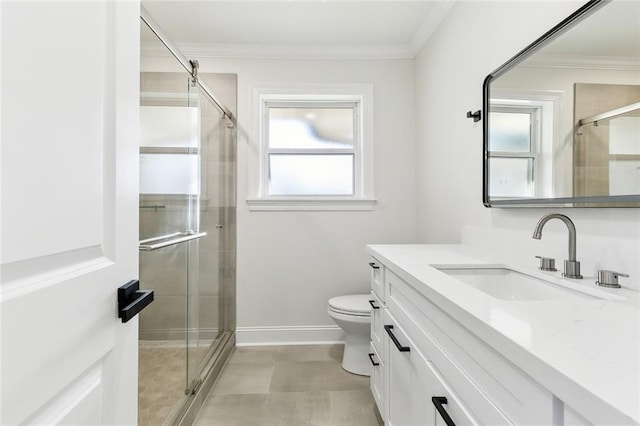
311,204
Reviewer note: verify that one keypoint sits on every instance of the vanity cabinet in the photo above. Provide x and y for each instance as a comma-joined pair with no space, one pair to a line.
432,367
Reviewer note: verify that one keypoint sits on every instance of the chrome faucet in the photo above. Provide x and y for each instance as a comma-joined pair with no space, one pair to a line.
571,265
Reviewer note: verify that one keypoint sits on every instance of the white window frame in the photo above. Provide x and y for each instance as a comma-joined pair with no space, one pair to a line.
313,96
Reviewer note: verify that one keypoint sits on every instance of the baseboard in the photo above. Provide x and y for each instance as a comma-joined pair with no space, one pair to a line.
294,335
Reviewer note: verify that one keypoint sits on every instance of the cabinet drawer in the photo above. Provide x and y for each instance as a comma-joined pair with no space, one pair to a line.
377,329
377,278
466,403
377,379
467,363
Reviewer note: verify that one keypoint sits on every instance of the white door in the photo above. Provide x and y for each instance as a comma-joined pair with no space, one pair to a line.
69,227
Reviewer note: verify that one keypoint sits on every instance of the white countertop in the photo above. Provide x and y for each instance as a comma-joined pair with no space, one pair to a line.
585,351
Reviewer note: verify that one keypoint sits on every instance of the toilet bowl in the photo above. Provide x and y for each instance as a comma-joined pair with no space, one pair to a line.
353,314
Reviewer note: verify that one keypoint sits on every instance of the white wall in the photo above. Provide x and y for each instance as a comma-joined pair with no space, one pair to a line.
291,263
473,40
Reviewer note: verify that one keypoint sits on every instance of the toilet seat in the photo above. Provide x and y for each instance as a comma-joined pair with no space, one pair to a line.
352,304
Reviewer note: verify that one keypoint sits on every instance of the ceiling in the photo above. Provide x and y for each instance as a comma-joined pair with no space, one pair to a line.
299,28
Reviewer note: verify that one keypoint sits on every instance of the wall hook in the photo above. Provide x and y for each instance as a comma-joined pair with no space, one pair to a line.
475,115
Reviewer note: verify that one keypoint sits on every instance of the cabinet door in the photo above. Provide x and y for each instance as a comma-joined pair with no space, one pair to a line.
413,382
450,405
408,386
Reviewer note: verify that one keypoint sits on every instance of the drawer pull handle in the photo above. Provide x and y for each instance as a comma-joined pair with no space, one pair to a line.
439,402
375,364
401,348
371,302
373,265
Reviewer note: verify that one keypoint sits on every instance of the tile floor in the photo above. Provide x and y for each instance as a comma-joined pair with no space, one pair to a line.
289,385
162,370
161,380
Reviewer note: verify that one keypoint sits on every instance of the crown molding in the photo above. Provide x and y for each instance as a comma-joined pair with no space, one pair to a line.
583,62
257,51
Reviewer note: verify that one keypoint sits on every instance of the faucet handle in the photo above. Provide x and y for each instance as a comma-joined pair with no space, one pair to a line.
547,263
609,278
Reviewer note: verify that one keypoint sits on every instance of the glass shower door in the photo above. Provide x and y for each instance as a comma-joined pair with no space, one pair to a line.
205,301
169,218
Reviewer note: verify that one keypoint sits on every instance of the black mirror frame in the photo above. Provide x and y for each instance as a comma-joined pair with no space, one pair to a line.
618,200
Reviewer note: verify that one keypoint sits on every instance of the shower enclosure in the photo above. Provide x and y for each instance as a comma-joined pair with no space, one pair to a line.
187,230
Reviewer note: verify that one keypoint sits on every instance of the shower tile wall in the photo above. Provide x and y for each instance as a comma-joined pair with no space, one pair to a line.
163,270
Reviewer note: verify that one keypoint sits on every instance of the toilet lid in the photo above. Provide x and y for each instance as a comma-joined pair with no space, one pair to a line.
356,304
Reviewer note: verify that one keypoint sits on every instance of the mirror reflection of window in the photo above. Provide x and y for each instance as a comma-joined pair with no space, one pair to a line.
514,149
510,131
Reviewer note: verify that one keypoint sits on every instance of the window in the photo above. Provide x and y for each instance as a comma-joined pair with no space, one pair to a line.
310,148
514,143
315,149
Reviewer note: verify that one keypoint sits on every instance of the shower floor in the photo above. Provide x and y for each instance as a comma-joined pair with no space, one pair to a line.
162,371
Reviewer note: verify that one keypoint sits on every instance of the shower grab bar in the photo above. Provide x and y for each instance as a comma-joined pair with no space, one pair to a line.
169,240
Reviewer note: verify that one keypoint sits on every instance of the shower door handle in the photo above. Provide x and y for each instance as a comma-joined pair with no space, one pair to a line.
168,240
131,300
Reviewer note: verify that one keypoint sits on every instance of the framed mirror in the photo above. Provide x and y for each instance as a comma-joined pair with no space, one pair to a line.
562,117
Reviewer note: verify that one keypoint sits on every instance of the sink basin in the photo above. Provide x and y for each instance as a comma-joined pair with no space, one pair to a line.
508,284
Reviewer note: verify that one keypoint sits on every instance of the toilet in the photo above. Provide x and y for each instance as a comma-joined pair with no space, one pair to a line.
353,314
